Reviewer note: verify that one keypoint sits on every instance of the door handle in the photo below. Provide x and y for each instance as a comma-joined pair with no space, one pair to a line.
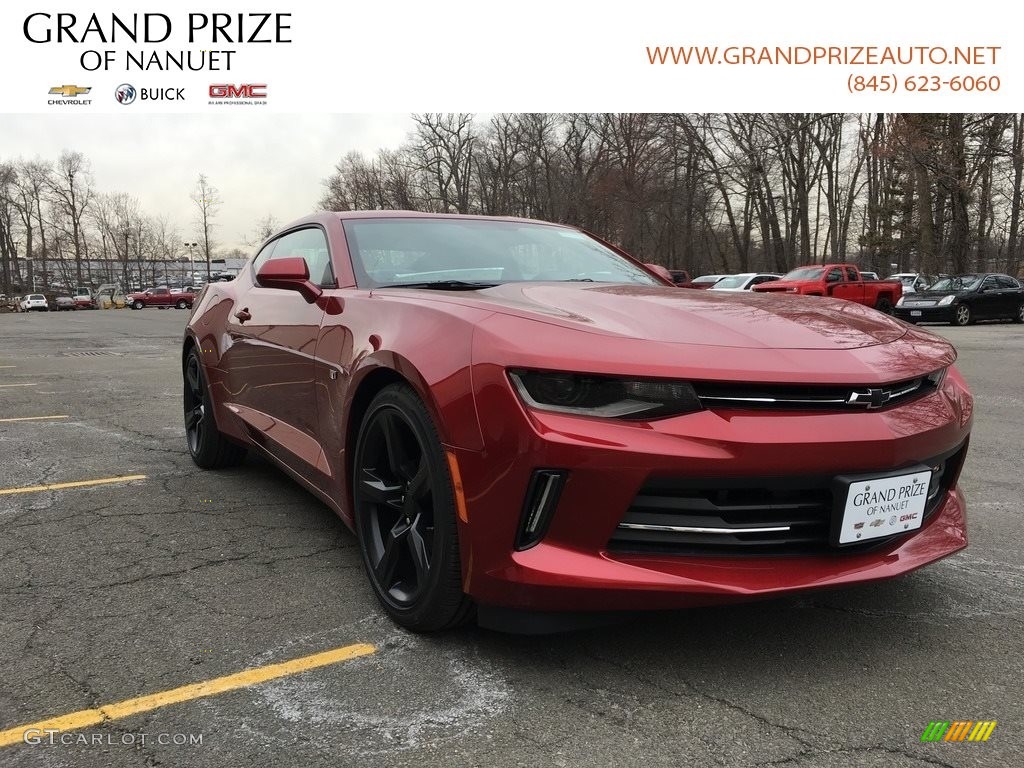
243,315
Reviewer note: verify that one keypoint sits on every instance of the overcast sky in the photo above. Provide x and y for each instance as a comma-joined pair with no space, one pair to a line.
271,163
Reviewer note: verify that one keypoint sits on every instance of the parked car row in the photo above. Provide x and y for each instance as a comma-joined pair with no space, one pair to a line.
911,296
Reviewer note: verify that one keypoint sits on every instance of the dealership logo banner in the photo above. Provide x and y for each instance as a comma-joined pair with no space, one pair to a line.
449,56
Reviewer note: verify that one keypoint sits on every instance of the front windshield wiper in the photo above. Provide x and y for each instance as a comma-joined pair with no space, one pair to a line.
444,285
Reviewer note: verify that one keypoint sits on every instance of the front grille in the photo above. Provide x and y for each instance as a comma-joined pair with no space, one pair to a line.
803,397
749,516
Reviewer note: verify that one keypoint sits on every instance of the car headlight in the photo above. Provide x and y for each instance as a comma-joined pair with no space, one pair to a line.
792,290
945,301
607,397
936,378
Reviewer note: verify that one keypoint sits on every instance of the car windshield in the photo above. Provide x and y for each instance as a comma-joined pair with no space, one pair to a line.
735,281
708,279
473,253
958,283
804,273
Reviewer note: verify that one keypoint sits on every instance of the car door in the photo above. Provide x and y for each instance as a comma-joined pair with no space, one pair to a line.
1009,296
839,285
988,301
269,366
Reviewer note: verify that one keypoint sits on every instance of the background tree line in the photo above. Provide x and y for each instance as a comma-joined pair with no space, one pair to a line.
724,192
57,229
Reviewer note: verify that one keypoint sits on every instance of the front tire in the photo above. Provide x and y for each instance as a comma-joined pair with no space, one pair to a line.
137,305
405,514
962,315
207,446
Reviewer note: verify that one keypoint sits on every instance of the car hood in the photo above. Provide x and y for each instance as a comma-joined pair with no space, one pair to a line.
726,319
938,294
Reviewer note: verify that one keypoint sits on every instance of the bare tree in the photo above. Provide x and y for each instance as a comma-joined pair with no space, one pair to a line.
72,192
207,201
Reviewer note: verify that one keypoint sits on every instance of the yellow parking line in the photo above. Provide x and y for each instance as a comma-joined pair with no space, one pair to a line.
8,366
76,484
86,717
33,418
18,385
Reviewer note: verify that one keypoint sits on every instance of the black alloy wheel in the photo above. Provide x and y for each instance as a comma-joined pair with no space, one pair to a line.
208,447
1019,317
405,514
962,315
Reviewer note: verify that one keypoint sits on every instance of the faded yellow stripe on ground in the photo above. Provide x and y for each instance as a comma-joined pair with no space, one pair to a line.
86,717
18,385
33,418
75,484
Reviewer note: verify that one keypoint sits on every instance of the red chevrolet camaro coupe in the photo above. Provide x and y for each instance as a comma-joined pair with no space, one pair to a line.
520,421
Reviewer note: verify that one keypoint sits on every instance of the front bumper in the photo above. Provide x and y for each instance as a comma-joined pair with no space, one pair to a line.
932,314
573,568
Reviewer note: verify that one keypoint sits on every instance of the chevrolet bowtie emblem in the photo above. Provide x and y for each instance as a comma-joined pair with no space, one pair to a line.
872,398
68,90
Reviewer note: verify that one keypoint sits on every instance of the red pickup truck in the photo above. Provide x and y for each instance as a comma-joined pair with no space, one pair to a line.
159,297
841,281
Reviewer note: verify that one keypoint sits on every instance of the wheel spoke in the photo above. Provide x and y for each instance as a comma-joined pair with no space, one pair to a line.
396,446
378,491
194,417
419,485
418,551
192,374
387,566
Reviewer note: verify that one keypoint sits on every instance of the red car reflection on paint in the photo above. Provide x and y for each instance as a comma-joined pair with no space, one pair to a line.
520,421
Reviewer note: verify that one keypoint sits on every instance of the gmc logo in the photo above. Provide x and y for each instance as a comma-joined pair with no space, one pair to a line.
247,91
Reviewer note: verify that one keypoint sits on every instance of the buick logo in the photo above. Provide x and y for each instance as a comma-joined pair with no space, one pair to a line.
125,93
870,398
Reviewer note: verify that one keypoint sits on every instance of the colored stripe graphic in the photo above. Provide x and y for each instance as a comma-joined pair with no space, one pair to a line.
959,730
935,731
982,730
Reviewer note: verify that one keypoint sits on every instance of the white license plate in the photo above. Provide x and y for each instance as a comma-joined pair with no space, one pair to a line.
884,506
915,313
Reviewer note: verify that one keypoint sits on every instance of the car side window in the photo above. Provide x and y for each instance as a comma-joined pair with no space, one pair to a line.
834,275
851,274
1005,281
311,245
989,283
262,257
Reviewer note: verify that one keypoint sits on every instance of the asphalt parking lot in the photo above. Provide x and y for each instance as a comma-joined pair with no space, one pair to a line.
126,588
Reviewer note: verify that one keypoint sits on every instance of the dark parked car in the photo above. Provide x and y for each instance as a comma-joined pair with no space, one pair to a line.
962,299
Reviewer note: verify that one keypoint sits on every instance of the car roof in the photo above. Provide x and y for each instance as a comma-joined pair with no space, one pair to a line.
423,215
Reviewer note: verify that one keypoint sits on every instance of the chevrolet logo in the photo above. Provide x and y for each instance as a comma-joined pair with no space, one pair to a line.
872,398
68,90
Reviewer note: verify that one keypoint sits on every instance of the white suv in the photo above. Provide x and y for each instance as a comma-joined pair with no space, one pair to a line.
36,302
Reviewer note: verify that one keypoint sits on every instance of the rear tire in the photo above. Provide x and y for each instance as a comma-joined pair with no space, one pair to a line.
1019,317
405,514
182,304
962,315
884,305
207,446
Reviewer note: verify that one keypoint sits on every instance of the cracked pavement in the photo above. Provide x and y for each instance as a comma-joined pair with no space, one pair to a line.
111,592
